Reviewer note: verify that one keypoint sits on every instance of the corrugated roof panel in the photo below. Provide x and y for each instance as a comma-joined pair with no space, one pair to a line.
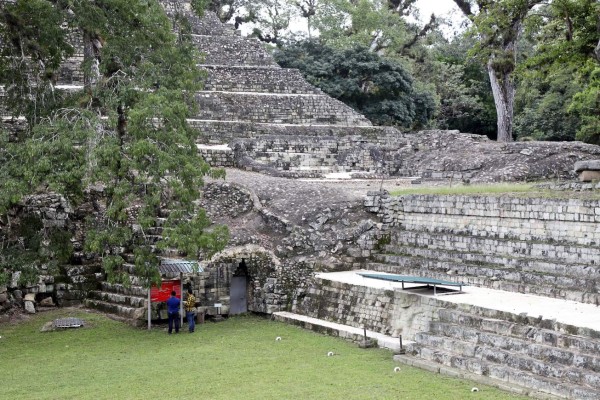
171,265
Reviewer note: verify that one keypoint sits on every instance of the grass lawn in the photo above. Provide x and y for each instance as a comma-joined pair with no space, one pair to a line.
235,359
491,189
514,189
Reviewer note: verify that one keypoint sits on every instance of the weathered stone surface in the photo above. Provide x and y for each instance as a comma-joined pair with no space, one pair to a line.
587,165
30,297
589,176
29,307
47,302
14,281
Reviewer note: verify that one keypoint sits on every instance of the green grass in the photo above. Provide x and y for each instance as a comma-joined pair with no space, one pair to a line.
492,189
235,359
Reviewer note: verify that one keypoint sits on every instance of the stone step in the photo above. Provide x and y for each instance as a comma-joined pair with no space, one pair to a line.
334,329
572,366
232,50
503,373
537,332
485,277
221,132
117,298
508,346
554,283
133,290
276,108
483,360
437,368
567,253
133,313
209,24
258,79
504,262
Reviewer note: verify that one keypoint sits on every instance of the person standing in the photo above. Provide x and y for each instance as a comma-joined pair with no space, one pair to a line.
190,308
173,311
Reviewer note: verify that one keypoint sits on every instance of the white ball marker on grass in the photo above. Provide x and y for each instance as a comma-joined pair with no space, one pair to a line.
475,389
397,369
330,354
278,338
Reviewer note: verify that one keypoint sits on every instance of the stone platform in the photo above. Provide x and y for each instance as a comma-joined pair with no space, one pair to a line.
533,345
567,312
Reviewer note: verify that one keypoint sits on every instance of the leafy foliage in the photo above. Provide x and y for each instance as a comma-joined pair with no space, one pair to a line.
126,135
565,35
542,108
381,89
586,105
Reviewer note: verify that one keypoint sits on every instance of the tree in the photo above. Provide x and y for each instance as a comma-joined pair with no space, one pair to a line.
379,25
125,135
272,19
381,89
565,34
542,107
498,24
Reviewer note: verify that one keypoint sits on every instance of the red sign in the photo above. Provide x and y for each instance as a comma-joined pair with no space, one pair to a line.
159,295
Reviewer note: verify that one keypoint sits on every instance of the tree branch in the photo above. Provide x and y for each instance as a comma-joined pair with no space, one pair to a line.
432,24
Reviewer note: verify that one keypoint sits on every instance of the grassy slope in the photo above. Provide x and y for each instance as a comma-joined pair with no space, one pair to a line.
235,359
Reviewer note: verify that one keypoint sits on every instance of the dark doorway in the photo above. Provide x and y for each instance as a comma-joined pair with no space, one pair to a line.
239,289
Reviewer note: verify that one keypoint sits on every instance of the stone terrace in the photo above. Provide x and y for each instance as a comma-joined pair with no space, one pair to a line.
542,246
530,344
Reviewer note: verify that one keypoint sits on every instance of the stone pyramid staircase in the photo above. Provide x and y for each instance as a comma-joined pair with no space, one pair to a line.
269,117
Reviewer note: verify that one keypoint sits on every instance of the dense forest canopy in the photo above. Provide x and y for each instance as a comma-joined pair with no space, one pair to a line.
523,69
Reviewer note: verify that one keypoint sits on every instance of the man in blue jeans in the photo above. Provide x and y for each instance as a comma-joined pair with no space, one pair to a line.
173,312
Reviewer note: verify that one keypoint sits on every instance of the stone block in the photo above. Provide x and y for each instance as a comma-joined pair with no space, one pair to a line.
589,176
29,307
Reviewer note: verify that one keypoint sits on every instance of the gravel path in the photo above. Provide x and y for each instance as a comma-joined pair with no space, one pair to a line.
296,199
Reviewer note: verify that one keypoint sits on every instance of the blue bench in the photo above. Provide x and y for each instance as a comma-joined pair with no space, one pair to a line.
428,282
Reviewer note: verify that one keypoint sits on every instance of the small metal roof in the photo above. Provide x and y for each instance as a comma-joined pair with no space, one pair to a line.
412,279
172,265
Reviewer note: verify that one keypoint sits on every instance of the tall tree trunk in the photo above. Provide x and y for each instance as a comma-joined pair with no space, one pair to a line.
91,61
503,89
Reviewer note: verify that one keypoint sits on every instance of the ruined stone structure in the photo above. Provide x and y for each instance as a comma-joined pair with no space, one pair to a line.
268,124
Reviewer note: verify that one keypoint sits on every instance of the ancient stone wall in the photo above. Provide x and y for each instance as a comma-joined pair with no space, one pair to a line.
572,221
309,154
542,246
257,79
217,132
276,108
217,156
64,286
232,51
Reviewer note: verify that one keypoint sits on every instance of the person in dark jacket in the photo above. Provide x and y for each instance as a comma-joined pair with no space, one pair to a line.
173,311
